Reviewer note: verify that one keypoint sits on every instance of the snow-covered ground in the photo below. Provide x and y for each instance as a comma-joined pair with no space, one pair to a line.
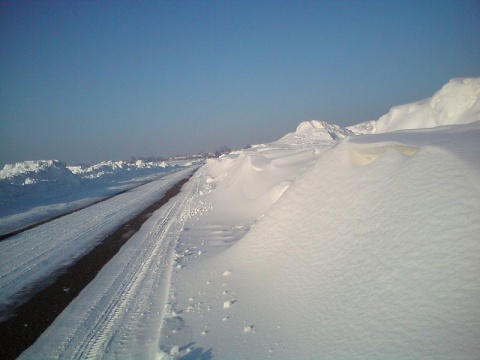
322,245
31,259
34,191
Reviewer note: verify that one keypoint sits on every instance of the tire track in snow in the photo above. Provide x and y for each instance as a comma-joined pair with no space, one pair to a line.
120,313
21,331
50,219
125,289
31,258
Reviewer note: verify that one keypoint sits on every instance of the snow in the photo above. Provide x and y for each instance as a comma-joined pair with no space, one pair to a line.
457,102
33,191
315,132
118,169
363,128
59,243
359,269
33,172
324,244
371,252
119,314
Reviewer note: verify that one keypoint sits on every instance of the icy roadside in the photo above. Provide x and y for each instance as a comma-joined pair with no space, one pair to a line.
30,258
119,314
35,191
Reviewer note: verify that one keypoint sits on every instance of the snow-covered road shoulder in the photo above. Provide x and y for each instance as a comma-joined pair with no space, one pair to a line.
32,259
119,314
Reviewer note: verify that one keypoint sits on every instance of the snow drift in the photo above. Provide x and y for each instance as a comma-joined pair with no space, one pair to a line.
29,181
369,248
35,172
119,169
315,133
378,258
457,102
54,171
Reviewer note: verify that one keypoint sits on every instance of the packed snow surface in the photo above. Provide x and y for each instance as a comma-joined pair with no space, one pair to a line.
31,259
322,245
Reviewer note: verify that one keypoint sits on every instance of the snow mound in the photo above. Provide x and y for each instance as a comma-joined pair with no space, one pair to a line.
339,246
315,133
457,102
363,128
27,182
34,172
254,179
105,169
251,181
114,169
373,250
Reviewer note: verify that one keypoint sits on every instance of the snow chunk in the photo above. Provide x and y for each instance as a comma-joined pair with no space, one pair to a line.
315,132
175,350
247,329
363,128
227,304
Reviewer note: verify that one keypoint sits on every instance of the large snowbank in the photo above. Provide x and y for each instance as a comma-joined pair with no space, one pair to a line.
30,181
34,172
116,169
54,171
328,245
315,133
255,179
457,102
373,258
363,128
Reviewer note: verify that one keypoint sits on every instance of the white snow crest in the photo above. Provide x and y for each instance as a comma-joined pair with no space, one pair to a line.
115,169
43,183
363,128
457,102
315,133
42,178
33,172
253,180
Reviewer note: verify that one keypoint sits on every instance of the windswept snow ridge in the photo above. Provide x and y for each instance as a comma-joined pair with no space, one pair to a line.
34,172
374,257
315,133
371,251
457,102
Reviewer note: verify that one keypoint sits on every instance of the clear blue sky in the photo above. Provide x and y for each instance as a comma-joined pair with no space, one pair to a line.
84,81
